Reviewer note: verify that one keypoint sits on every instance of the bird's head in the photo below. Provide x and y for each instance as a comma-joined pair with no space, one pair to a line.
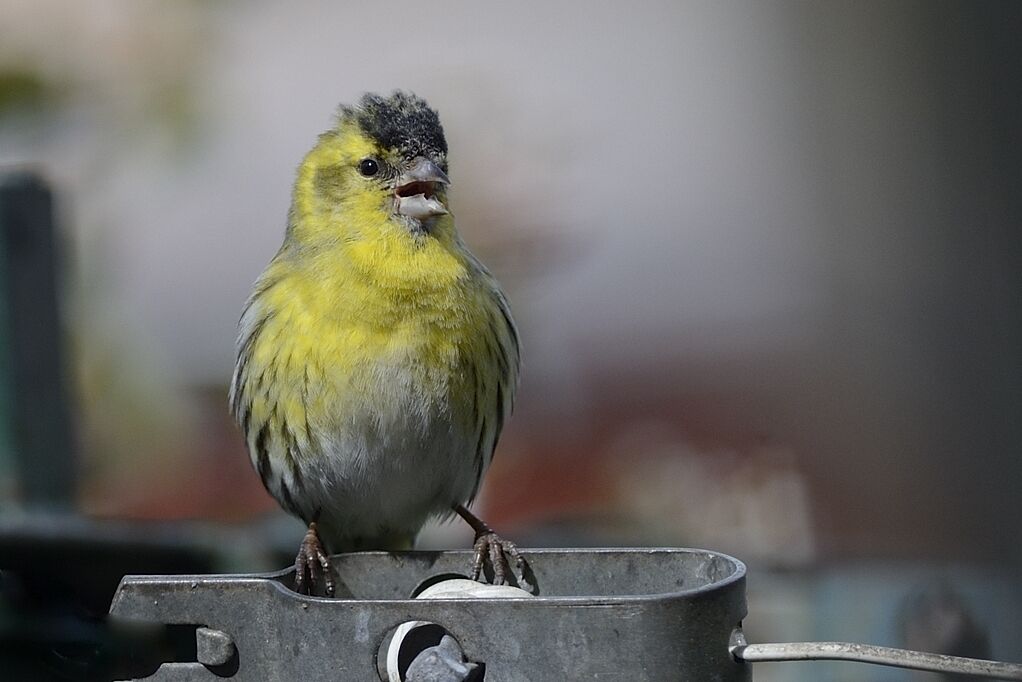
383,164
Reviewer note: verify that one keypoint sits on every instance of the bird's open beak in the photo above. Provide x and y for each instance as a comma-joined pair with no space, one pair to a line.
417,188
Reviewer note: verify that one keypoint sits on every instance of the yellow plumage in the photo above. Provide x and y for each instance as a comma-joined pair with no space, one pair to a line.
377,359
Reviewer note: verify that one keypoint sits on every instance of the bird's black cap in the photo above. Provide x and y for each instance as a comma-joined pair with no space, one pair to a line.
402,121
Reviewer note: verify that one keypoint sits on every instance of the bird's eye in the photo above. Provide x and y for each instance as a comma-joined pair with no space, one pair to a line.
368,167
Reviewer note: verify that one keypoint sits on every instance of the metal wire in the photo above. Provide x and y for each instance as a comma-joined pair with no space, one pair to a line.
879,655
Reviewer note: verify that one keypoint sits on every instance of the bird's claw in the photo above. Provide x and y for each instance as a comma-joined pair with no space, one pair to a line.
312,563
501,554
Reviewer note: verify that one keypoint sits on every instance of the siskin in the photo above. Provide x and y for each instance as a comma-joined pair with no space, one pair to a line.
377,358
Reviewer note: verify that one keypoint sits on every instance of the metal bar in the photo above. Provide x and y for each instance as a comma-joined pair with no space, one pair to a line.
878,655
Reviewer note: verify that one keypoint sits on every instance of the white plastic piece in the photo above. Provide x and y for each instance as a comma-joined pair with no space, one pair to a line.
455,588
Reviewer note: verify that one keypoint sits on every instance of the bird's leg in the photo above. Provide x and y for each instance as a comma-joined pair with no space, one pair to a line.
499,550
312,562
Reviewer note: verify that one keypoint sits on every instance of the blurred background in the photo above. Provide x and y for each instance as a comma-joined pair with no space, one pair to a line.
763,255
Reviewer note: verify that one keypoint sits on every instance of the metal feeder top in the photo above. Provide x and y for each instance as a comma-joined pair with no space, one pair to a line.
609,614
638,613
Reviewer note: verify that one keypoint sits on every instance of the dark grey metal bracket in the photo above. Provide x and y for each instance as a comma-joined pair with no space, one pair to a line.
640,614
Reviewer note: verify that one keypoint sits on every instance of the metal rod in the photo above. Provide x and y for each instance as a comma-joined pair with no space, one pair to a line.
879,655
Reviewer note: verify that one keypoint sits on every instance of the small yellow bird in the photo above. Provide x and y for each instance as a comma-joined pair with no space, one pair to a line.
377,358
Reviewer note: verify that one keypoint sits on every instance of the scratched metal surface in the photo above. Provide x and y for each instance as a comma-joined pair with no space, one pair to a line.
614,614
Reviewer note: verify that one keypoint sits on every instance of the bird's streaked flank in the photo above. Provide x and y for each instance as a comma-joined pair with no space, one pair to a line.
377,358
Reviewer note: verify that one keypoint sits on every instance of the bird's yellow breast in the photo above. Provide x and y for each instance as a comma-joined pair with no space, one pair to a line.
368,327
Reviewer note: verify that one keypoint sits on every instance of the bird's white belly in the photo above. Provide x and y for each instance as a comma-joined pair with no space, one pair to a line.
388,461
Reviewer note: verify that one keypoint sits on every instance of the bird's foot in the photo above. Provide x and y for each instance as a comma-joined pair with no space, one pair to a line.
501,553
311,564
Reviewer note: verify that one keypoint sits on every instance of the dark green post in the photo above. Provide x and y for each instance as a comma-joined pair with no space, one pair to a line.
36,452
